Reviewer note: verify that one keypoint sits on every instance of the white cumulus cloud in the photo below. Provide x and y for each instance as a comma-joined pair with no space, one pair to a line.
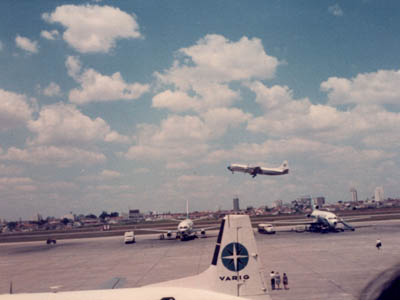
102,176
26,44
216,59
96,87
50,35
381,87
74,67
52,155
53,89
363,125
65,124
177,138
14,110
94,28
202,73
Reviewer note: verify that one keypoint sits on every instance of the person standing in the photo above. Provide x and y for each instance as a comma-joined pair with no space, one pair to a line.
378,244
272,275
285,281
278,281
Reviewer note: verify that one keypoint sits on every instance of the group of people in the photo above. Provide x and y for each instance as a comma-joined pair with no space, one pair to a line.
276,281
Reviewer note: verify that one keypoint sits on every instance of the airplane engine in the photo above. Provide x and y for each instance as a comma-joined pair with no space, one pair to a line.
203,233
169,234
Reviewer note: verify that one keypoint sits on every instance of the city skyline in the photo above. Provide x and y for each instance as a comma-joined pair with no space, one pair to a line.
114,104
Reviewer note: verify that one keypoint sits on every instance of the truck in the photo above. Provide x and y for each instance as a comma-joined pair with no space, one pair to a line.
129,237
266,228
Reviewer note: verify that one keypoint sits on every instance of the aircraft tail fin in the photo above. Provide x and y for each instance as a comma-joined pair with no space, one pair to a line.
235,266
284,165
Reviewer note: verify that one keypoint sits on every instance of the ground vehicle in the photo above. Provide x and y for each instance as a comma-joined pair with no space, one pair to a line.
129,237
50,241
266,228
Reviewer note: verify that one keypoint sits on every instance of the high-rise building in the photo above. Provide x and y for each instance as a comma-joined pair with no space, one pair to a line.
236,204
354,197
277,203
319,201
305,201
135,215
379,193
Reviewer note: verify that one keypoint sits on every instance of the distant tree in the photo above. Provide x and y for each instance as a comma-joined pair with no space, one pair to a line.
65,221
11,225
114,215
42,222
104,215
91,216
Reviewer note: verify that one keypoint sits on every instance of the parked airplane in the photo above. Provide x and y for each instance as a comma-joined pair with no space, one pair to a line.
323,221
254,171
234,273
185,230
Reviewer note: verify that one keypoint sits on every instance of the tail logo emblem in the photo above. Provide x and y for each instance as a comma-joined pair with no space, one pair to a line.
235,257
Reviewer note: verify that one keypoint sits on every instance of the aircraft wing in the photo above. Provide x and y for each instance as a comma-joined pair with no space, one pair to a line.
293,222
241,168
157,230
206,228
355,218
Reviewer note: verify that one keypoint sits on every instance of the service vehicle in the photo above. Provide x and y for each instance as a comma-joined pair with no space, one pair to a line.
266,228
129,237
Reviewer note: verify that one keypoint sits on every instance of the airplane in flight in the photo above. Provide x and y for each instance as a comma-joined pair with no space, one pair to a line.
185,230
234,274
258,170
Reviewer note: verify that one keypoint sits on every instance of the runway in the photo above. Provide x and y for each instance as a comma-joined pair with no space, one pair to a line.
319,266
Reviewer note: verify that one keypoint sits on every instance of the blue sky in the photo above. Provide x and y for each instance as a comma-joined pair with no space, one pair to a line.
111,105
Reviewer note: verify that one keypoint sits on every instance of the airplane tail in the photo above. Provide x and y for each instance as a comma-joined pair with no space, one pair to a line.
284,165
235,266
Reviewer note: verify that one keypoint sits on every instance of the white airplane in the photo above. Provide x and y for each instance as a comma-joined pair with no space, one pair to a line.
185,230
323,221
254,171
234,274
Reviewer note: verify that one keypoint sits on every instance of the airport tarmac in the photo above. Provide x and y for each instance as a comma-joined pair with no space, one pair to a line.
319,266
